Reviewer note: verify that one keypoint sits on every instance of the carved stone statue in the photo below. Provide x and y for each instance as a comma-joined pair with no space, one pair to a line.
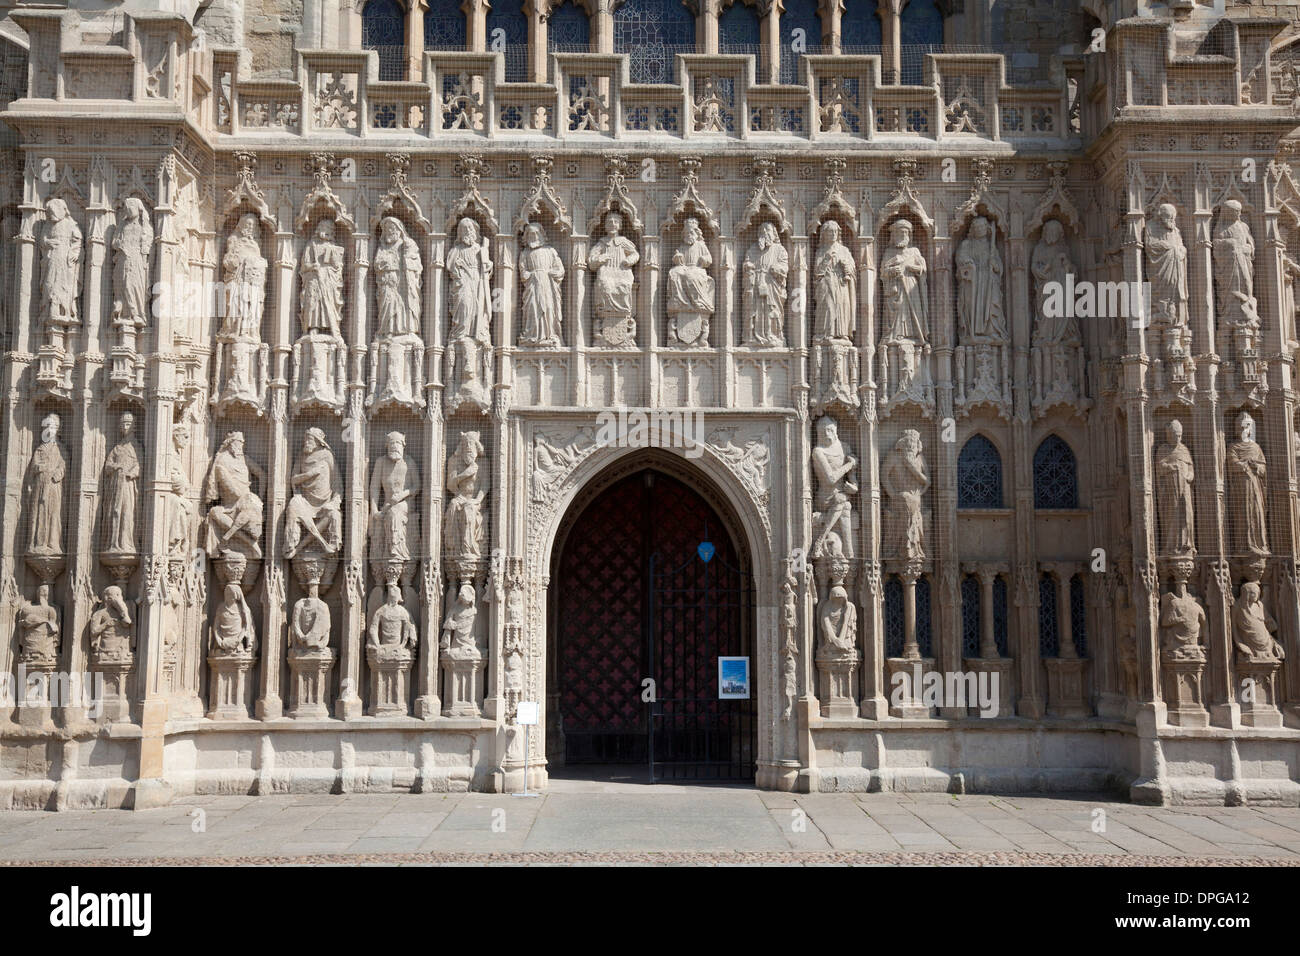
132,248
397,280
1166,269
980,315
233,631
394,487
613,258
1181,621
309,627
1174,476
235,510
120,492
44,491
1247,471
321,267
244,274
463,531
314,518
38,629
766,267
180,515
469,345
1050,264
112,635
905,480
907,300
391,626
1234,269
458,624
690,289
61,247
1253,627
541,270
836,481
835,288
837,625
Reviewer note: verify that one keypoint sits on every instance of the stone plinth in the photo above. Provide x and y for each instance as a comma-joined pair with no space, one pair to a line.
1066,694
229,691
1000,671
116,703
390,679
33,692
906,679
463,674
309,670
1259,693
837,685
1182,685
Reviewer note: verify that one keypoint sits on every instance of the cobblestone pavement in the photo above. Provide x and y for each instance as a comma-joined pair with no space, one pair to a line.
609,823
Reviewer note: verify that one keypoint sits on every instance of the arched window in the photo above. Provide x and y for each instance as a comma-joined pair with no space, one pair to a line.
1049,635
1078,616
860,28
970,616
508,17
444,28
1056,482
652,33
1000,614
739,30
979,474
893,617
383,29
798,15
923,629
920,32
568,29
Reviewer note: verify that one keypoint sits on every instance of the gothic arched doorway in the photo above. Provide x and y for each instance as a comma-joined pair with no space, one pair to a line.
650,581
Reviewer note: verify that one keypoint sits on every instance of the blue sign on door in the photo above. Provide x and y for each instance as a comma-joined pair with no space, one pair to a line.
706,551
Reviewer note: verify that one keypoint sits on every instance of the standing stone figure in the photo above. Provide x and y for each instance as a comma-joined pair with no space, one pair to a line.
541,270
979,286
112,638
314,513
397,281
1234,269
613,258
835,287
132,247
120,494
690,289
469,293
235,512
179,515
394,485
1253,627
1174,477
763,275
905,479
1247,470
836,482
458,624
321,267
463,523
907,300
1166,269
1181,621
837,625
244,275
1050,265
60,268
44,492
38,629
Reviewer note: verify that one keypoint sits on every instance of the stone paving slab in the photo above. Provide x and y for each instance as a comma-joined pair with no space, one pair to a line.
605,823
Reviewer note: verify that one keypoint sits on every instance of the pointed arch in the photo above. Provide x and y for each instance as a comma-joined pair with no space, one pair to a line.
1056,475
979,474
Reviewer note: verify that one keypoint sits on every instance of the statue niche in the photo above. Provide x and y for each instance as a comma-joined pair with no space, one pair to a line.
320,354
763,280
132,254
1056,357
58,307
690,290
397,351
835,321
983,354
469,337
613,302
905,331
1166,262
242,373
541,272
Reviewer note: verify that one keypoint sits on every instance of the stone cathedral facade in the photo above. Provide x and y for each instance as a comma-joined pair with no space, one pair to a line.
371,370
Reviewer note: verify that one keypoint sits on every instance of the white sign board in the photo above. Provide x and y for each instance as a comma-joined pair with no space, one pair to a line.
526,713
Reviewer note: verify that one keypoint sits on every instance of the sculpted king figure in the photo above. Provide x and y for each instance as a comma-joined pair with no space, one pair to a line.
314,512
1234,269
836,482
1167,269
391,626
835,287
690,289
469,351
905,480
837,625
397,281
907,302
321,309
112,638
235,514
1181,621
394,527
1246,474
541,270
45,474
60,268
120,492
613,258
979,286
133,247
766,267
244,275
1174,476
463,523
1253,627
38,629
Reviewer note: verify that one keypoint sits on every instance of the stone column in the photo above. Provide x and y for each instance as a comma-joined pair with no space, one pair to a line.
832,13
578,321
769,58
428,701
725,319
648,323
875,703
415,39
538,55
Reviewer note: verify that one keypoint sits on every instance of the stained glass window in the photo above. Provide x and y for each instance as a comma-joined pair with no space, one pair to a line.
444,27
923,630
1056,482
1049,637
860,28
921,29
739,30
1078,616
508,17
569,29
798,15
979,474
1000,615
383,29
893,617
652,33
970,616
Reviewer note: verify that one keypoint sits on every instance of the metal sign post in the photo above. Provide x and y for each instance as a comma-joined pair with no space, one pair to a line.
526,714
